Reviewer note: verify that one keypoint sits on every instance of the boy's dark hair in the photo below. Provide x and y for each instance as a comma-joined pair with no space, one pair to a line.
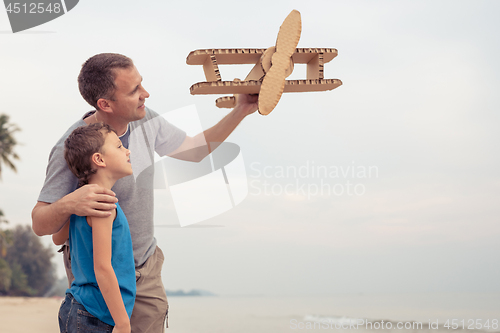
97,76
79,147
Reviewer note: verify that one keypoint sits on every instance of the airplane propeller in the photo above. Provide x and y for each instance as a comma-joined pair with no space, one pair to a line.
281,62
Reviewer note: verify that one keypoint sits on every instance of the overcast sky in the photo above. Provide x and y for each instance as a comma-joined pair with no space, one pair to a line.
418,107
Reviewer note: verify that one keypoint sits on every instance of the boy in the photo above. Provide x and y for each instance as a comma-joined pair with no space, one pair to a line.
102,295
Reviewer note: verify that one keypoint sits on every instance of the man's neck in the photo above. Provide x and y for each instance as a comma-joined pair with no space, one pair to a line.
101,116
120,128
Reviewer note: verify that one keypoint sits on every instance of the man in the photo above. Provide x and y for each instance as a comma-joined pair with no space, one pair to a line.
113,86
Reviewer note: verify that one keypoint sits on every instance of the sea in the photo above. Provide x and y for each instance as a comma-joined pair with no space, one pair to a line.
423,312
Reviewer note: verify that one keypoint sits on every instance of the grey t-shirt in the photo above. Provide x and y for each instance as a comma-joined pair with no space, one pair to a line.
134,192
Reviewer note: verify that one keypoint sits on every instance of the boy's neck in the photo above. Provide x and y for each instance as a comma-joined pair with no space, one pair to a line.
103,180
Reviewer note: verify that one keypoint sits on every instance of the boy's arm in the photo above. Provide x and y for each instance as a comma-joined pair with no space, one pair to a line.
104,273
60,237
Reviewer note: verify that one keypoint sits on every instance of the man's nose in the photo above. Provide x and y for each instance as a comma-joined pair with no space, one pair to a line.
144,94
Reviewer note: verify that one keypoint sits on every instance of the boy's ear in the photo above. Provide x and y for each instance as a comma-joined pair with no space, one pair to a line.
98,160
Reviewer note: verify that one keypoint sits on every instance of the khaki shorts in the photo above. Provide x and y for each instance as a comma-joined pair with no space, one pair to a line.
150,314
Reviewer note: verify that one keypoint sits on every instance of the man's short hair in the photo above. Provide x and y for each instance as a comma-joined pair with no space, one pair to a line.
97,77
79,147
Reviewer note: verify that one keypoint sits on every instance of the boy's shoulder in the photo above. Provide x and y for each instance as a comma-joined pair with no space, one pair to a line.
117,214
85,224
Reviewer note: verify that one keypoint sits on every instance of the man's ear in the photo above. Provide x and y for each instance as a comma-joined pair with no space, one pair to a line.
98,160
103,105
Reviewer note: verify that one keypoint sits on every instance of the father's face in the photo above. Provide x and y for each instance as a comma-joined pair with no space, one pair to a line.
129,96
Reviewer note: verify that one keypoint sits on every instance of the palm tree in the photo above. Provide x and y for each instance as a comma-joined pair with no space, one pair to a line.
2,219
4,238
7,143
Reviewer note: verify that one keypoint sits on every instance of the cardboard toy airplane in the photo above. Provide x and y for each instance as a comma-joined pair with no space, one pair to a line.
272,67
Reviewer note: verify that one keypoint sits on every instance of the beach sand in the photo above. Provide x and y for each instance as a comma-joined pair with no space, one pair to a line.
274,314
29,314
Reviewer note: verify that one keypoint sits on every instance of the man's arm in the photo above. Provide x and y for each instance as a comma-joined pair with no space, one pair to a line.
245,105
60,237
104,272
88,200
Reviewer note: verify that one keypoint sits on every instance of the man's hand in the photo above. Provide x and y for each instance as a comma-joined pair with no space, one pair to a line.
92,200
88,200
246,103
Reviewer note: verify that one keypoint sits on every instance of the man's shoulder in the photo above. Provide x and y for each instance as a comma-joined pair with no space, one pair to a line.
77,124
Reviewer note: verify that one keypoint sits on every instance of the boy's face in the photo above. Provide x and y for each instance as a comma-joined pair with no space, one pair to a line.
116,157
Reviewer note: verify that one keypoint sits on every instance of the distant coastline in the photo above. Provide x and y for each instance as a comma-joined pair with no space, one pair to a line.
61,285
193,292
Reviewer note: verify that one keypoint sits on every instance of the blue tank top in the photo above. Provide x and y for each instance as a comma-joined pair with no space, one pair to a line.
84,288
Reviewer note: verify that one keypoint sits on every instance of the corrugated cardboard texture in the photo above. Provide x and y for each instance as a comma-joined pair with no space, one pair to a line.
272,65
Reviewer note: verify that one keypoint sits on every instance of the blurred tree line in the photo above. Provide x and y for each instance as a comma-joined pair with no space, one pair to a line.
25,264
